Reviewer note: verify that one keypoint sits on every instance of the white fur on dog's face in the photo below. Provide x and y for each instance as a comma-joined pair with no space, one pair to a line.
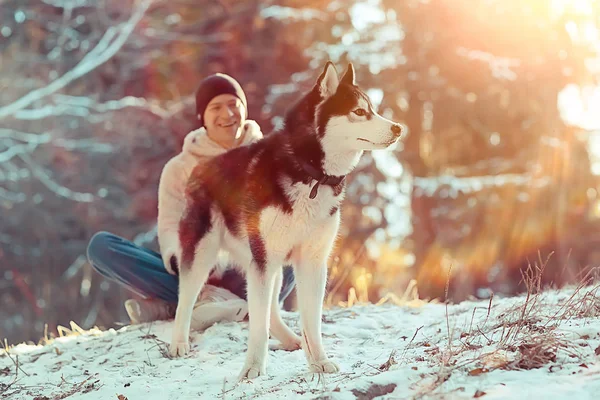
353,125
361,129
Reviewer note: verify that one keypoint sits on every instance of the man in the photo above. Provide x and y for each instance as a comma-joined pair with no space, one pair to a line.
222,111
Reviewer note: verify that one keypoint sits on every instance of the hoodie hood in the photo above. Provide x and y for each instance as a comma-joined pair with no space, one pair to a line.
197,148
198,144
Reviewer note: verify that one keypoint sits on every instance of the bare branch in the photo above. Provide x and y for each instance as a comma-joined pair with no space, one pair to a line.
113,105
32,141
17,150
112,41
80,106
74,268
56,188
70,4
13,197
182,37
23,136
146,237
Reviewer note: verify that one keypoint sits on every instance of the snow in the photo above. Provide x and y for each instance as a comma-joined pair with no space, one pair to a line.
391,351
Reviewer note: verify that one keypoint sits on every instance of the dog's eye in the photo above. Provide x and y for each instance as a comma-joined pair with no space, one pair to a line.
361,112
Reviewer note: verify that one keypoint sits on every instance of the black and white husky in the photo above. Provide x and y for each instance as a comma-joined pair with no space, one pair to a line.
276,202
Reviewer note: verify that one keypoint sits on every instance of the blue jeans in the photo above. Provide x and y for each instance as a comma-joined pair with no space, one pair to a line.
142,271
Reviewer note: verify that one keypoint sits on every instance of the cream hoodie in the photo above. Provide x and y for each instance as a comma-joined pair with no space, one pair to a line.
197,148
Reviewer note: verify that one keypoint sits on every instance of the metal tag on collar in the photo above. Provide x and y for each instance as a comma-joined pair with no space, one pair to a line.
315,188
313,192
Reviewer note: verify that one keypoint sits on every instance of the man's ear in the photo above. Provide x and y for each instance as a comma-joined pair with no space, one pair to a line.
349,75
328,82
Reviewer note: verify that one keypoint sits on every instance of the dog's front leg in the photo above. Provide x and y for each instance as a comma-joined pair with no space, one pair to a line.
310,270
260,287
310,281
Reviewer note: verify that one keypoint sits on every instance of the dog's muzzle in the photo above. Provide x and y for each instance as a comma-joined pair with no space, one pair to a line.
397,130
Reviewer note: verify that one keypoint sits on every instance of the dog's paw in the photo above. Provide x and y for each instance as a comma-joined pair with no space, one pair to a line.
324,366
251,371
293,344
179,349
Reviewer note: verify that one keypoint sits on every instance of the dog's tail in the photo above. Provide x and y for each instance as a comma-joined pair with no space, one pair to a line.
193,226
174,264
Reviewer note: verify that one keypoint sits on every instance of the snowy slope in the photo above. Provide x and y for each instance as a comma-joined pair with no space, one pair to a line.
541,346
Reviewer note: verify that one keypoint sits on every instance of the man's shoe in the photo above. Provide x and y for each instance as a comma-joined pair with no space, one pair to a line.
217,304
147,310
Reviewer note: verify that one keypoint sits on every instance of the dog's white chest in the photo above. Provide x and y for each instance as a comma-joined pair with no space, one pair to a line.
284,229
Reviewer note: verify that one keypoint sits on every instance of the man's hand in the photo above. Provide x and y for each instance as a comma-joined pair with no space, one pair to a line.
172,265
251,129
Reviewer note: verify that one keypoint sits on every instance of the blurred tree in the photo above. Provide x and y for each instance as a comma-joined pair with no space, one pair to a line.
497,174
97,96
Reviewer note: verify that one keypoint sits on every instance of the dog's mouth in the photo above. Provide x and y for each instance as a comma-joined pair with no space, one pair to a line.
377,144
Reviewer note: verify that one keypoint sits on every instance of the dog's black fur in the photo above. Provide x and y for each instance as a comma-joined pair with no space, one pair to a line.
289,152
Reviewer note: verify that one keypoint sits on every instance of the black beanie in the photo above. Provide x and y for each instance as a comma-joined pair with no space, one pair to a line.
213,86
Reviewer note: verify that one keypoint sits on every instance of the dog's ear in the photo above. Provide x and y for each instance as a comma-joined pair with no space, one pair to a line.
349,75
328,81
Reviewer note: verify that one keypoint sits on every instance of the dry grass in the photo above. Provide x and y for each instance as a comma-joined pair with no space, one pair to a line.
537,351
65,389
521,337
523,324
409,298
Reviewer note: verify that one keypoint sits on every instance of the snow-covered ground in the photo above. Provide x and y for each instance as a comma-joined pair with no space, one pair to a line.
544,346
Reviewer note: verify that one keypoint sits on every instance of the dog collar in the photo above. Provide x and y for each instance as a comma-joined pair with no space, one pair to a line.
321,178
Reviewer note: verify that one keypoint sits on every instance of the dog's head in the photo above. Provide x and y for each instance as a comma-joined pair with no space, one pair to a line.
345,118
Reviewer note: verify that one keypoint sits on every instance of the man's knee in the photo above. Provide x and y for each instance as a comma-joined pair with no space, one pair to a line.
97,249
288,275
288,283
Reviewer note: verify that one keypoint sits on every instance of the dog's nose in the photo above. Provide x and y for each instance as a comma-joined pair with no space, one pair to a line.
396,129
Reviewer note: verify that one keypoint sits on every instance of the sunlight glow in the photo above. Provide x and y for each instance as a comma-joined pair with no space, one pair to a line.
581,7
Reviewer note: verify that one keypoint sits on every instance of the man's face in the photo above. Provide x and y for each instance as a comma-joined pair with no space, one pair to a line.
224,116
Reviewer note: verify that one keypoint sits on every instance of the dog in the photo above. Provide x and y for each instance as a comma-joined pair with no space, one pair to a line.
277,202
197,148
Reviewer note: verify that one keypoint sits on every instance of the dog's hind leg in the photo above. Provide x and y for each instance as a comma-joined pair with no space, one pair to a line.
191,280
289,341
260,288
